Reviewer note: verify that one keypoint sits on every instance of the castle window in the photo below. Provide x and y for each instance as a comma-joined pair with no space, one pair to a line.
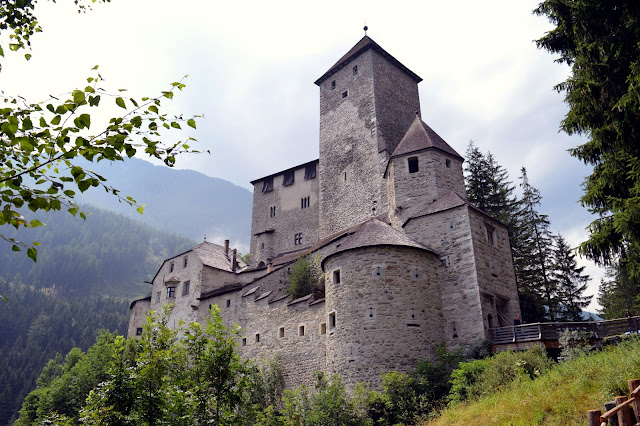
345,94
281,332
415,273
377,271
171,265
272,211
185,261
257,337
185,289
158,295
210,306
171,291
267,185
446,261
288,178
297,239
261,246
323,328
301,330
228,303
304,202
244,341
310,171
355,70
332,320
447,163
413,164
336,276
491,234
139,331
333,84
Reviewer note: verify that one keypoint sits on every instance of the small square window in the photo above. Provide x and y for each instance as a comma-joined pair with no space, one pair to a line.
281,332
297,239
333,84
413,164
257,337
345,94
139,331
171,265
323,328
267,185
185,289
336,276
171,291
355,70
185,262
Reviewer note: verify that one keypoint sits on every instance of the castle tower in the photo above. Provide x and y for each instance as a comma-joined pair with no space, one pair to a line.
368,100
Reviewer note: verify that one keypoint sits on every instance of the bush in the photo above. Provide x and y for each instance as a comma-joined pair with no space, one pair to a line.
306,278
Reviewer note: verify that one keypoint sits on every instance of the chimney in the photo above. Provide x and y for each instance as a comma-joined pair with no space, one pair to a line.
226,247
234,263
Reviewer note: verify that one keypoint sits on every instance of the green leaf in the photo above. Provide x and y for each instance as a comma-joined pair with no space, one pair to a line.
43,122
32,253
153,108
191,122
168,95
78,96
140,209
35,223
175,125
55,120
15,248
27,124
120,103
27,56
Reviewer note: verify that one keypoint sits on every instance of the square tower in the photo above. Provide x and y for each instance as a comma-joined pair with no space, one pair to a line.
368,100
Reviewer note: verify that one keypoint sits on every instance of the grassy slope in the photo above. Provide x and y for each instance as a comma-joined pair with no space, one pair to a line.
561,397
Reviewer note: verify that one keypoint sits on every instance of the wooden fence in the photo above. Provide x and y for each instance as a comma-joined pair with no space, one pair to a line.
620,408
550,331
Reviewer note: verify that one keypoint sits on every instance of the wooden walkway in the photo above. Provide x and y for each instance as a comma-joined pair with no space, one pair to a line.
547,333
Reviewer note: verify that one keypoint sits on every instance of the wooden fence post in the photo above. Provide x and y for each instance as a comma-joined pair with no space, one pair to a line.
633,384
624,416
613,421
594,417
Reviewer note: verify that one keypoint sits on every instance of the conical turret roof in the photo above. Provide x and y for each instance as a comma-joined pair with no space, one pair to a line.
419,137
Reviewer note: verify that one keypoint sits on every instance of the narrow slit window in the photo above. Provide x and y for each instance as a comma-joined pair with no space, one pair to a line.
228,303
447,163
258,338
281,332
244,341
185,262
301,330
323,328
333,84
336,276
332,320
355,70
413,164
491,234
186,288
345,94
171,266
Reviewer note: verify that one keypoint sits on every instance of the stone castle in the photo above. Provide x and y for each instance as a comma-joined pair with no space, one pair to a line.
408,262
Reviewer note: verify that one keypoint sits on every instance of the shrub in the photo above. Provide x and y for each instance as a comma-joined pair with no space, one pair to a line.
306,278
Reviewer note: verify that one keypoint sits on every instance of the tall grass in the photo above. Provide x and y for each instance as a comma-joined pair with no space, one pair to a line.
561,396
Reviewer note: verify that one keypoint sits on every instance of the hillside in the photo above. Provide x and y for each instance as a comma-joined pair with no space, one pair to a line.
106,254
182,202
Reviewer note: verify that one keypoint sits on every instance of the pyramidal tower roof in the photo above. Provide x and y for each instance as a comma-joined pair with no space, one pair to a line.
419,137
362,46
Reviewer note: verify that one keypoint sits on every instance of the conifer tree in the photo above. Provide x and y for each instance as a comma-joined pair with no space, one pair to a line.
532,255
570,281
618,292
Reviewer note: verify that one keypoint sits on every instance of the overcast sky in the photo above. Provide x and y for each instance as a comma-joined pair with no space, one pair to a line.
252,65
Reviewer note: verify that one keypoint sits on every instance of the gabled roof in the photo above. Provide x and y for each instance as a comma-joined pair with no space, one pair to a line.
371,233
213,255
420,137
362,46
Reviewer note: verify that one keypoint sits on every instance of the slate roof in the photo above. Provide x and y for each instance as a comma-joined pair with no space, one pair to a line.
227,288
213,255
362,46
420,137
371,233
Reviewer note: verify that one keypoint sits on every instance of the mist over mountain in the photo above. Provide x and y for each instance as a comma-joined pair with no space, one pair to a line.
183,202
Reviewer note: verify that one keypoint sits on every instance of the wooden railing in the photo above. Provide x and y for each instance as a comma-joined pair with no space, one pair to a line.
542,331
621,407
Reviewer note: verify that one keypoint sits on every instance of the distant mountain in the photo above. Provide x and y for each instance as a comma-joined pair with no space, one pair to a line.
587,316
106,254
182,202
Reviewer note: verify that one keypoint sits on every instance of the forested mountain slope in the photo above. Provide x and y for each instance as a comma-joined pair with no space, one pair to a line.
106,254
36,325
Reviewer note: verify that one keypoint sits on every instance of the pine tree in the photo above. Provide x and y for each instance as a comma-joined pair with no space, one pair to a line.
531,257
477,177
618,292
569,280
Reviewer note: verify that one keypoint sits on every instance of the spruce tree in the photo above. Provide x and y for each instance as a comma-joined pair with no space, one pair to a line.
570,281
531,257
618,292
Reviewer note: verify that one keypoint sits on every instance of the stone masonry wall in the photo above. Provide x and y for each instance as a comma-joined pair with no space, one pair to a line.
387,311
496,276
349,178
449,233
137,316
290,218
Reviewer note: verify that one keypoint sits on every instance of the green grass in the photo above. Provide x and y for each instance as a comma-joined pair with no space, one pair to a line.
562,396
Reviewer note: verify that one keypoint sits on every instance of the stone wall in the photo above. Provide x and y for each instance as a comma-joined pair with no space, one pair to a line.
289,219
137,316
449,233
387,311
